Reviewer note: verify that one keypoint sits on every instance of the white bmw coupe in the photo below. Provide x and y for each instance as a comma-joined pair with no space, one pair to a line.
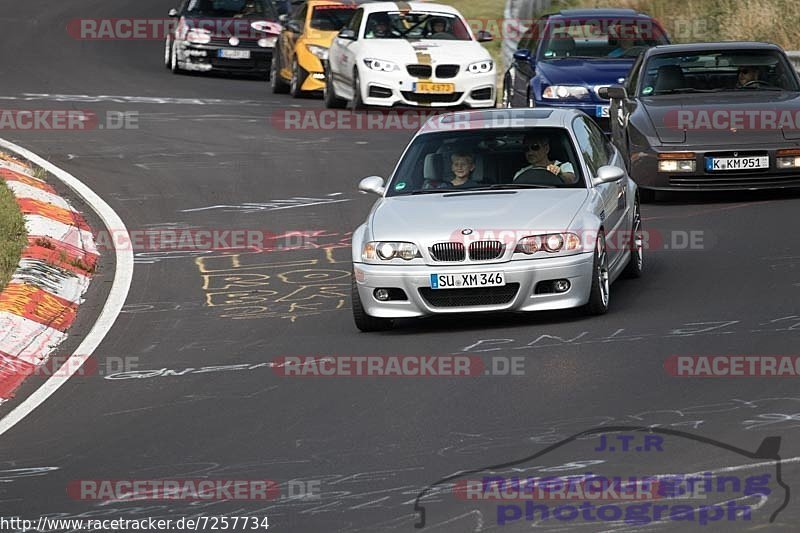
412,54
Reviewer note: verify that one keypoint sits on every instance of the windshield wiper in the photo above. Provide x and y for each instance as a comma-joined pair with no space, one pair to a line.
684,90
502,186
428,191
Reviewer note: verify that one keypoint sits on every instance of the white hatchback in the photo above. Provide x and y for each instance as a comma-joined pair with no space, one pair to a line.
409,53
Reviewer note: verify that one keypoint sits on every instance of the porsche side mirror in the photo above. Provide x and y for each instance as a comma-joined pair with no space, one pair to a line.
608,174
173,13
373,184
614,92
484,37
348,34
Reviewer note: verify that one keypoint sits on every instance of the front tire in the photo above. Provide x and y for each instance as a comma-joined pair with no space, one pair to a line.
299,76
168,53
600,293
173,62
635,266
357,103
329,93
365,322
276,83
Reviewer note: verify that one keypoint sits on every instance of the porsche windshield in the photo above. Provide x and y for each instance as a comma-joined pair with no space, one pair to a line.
488,159
402,25
257,9
709,71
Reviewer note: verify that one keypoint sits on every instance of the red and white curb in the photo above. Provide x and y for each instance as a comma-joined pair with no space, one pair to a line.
40,302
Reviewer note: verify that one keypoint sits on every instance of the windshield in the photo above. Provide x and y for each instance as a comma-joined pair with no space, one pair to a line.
249,9
735,70
601,38
487,159
331,18
426,26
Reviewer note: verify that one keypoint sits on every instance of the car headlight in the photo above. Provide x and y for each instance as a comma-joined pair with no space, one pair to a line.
677,162
381,65
552,243
481,67
198,36
561,92
320,51
788,158
267,42
387,251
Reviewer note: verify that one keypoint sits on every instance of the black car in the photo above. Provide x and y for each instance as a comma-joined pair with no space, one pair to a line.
711,116
222,35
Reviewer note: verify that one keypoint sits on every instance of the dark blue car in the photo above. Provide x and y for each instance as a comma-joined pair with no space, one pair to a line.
565,58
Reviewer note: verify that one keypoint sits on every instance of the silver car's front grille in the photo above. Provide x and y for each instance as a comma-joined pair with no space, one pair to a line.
485,250
448,251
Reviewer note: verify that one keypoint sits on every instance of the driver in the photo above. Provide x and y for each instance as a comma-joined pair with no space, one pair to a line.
537,152
250,8
438,25
623,38
382,27
748,75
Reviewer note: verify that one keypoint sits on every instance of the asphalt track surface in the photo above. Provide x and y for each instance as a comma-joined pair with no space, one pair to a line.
373,443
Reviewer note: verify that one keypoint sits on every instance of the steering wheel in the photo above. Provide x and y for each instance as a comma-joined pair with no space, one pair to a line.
538,176
756,83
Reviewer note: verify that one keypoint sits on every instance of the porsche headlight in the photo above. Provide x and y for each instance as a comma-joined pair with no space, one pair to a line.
552,243
481,67
788,158
198,36
388,250
562,92
381,65
677,162
320,51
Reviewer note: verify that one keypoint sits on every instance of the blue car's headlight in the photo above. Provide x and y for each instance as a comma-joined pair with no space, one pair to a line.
562,92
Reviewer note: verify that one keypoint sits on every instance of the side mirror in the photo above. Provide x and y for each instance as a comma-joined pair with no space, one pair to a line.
283,19
614,92
484,37
293,27
173,13
348,34
608,174
373,184
523,54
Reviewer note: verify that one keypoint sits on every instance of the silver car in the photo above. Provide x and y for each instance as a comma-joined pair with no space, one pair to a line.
499,210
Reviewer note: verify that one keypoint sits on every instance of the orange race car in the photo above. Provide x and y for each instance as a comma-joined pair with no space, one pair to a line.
302,47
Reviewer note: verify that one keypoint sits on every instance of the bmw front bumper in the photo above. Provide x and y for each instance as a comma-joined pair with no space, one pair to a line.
398,88
415,282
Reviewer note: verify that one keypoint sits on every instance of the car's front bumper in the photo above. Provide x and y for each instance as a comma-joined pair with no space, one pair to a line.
644,170
388,89
205,58
526,274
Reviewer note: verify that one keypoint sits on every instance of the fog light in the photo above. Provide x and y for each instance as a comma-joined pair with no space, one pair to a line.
381,294
677,162
562,285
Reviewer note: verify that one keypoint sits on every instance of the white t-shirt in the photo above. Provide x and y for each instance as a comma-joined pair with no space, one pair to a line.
565,168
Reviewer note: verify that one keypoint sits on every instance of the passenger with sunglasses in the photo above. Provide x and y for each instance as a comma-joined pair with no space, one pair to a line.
537,152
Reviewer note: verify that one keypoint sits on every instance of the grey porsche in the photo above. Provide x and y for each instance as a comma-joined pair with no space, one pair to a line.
711,116
497,210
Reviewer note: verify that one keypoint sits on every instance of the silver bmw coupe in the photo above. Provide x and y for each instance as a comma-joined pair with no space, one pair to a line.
498,210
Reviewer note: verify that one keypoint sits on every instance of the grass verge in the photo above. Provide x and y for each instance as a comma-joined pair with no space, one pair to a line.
13,236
